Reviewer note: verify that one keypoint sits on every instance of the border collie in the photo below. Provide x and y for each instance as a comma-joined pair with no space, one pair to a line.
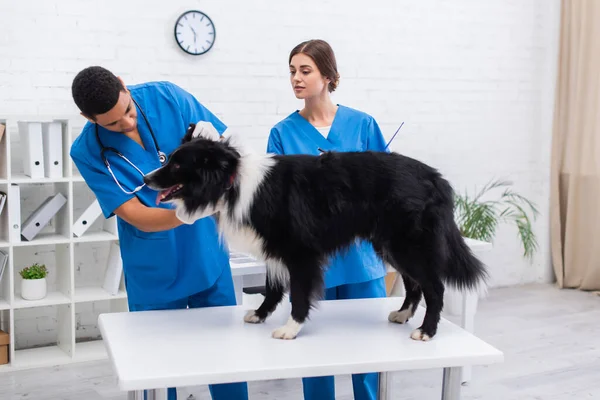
295,211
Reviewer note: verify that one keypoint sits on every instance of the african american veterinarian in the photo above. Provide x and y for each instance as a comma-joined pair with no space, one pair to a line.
323,125
167,264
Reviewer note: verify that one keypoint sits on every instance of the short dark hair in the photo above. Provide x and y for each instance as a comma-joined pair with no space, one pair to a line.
96,90
322,54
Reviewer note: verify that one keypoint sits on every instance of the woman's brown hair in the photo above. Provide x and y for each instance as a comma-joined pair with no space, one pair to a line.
322,54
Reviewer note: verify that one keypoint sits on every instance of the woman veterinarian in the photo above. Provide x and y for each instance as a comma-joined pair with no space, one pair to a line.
323,125
167,264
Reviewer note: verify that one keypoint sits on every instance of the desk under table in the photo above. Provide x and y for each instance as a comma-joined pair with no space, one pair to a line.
177,348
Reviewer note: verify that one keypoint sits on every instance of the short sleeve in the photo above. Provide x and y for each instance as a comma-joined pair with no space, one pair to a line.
274,143
191,109
100,181
375,139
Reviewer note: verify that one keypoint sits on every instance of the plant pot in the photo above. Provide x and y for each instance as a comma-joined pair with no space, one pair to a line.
33,289
453,301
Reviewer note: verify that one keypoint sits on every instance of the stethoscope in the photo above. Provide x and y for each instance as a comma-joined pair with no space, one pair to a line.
162,157
386,146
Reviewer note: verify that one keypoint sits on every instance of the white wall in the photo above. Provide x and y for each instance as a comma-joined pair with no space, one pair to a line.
472,80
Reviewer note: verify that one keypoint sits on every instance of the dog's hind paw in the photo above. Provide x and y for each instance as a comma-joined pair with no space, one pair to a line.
418,334
284,333
252,318
288,331
400,317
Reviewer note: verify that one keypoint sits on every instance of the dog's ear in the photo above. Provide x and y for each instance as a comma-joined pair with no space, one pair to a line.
188,133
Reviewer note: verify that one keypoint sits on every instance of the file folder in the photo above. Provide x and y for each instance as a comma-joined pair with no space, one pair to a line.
87,218
2,201
110,226
53,149
114,269
42,215
13,202
32,152
3,263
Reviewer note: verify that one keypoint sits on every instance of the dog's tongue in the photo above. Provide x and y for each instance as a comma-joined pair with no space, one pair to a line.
162,194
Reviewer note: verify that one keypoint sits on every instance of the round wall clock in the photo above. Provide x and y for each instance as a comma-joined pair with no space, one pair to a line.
195,32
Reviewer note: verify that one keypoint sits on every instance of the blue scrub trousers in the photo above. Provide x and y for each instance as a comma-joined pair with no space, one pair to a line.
364,385
220,294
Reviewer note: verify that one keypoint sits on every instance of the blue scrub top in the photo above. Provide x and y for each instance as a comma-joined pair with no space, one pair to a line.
351,130
162,266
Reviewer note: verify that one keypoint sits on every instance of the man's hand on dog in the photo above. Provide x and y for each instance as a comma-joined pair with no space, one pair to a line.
206,130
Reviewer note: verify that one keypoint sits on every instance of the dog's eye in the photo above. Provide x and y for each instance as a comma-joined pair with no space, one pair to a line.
175,166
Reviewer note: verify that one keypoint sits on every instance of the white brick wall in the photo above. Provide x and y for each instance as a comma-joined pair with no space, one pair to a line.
472,80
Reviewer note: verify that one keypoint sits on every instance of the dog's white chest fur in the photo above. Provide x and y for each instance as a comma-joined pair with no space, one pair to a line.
246,240
240,236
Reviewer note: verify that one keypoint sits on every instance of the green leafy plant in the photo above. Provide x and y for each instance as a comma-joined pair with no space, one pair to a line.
36,271
478,219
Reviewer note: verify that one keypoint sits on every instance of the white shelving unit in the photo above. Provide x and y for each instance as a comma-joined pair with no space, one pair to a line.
68,292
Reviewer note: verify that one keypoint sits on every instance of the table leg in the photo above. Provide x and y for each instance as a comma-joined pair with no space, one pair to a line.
139,395
451,383
469,308
385,386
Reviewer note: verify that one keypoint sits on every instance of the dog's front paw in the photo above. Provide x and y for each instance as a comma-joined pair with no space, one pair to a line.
252,318
400,317
288,331
418,334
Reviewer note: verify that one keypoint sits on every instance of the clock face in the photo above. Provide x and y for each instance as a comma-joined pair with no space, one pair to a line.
195,32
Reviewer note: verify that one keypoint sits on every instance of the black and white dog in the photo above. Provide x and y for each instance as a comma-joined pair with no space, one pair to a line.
295,211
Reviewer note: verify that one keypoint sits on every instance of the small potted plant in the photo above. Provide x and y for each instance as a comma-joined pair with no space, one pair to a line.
33,284
479,219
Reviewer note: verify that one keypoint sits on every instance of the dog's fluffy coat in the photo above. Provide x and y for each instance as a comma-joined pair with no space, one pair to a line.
295,211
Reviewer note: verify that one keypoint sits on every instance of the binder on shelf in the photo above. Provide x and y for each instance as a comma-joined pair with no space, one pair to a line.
13,202
32,153
87,218
110,226
2,201
114,269
3,263
42,215
53,149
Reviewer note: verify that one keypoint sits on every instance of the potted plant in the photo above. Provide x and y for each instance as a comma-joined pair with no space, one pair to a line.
478,218
33,284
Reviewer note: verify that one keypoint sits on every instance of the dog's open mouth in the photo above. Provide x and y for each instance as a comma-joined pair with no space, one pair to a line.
168,194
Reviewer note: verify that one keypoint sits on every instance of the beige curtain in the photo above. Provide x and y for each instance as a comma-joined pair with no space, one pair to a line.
575,174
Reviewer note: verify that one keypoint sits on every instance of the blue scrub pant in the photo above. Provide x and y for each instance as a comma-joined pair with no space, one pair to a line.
220,294
365,385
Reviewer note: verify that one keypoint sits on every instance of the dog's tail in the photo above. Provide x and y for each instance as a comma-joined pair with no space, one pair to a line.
464,270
